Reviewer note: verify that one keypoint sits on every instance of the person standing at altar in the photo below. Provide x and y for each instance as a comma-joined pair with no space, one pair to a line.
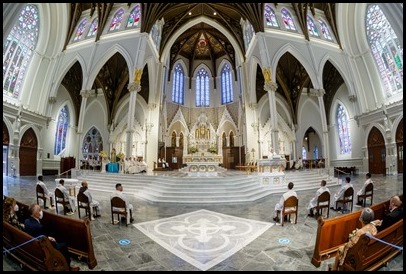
271,153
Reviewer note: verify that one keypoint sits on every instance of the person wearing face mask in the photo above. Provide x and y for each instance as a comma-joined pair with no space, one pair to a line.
9,213
34,227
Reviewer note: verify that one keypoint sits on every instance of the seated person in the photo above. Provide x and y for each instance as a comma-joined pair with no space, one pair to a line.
340,194
284,197
48,194
72,200
94,205
366,218
362,190
313,202
391,216
119,193
10,209
34,227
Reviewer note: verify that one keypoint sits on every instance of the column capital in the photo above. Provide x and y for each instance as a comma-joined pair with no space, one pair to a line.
52,100
87,93
317,92
134,87
352,98
270,86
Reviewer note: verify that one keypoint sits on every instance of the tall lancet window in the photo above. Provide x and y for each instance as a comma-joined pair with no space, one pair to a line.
178,92
270,17
386,49
202,88
18,49
93,27
288,20
324,30
312,27
116,21
135,16
80,30
343,130
226,85
61,130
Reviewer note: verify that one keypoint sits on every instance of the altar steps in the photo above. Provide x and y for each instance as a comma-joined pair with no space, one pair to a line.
176,187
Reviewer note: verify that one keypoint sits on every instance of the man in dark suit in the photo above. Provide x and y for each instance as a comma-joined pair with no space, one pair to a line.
34,227
394,214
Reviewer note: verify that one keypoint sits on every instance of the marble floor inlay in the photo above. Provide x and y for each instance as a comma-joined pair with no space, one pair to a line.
203,238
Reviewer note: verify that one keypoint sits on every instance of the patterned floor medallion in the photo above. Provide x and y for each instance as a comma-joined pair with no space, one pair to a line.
203,238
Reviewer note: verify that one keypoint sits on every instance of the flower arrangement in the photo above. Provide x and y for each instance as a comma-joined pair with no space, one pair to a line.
120,155
212,149
103,154
192,149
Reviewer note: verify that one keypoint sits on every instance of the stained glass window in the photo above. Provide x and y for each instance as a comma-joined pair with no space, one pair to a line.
248,32
135,16
270,17
226,85
324,30
178,92
92,144
80,30
202,88
116,21
288,20
18,49
315,152
343,130
61,130
93,28
312,27
386,49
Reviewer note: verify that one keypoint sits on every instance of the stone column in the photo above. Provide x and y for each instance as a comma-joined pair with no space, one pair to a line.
134,88
325,149
85,94
271,88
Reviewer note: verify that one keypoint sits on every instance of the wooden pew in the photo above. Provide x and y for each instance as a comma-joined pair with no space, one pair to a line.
75,232
370,254
37,254
333,232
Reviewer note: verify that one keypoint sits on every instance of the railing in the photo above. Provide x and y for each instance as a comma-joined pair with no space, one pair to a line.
71,173
339,173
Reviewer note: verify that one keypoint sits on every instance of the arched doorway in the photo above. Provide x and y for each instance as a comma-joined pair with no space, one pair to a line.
28,154
399,146
376,152
6,142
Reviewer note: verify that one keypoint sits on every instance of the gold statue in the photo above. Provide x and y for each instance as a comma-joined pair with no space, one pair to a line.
267,75
137,76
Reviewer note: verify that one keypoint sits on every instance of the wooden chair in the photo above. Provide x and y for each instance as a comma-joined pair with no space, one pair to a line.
60,199
323,201
41,195
290,206
369,192
347,199
120,209
83,202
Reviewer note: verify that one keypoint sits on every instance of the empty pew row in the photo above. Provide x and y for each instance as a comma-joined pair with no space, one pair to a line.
75,232
333,232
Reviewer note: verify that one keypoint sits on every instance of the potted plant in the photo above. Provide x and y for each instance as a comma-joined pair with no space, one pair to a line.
121,156
192,150
212,149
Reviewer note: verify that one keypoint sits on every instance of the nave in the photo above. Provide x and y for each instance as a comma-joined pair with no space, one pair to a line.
278,248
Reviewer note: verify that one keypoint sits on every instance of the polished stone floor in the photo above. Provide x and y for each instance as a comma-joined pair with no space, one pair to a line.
141,247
